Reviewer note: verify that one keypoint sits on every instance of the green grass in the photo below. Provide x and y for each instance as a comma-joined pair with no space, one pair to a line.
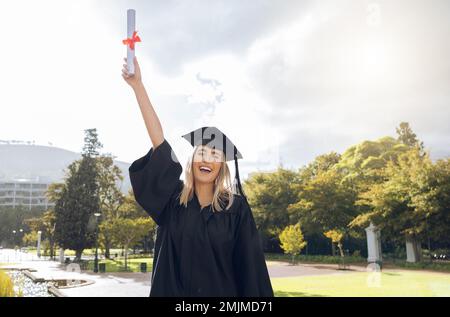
134,265
395,283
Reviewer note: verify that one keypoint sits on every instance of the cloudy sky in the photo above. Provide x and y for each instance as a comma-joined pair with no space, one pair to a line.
285,80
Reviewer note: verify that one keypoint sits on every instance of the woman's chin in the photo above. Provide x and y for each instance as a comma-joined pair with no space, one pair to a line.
204,179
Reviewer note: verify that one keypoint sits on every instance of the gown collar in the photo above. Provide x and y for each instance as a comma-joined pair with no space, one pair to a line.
206,211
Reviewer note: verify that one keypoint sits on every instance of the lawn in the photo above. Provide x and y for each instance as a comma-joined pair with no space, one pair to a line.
134,265
393,283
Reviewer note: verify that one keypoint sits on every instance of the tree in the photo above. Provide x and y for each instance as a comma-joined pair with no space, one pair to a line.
362,164
324,203
15,218
321,163
408,137
336,236
362,167
128,209
53,194
30,239
399,204
91,143
269,195
292,241
45,224
128,232
79,200
111,198
430,198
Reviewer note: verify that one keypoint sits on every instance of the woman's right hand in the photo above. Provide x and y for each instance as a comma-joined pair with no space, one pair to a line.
134,80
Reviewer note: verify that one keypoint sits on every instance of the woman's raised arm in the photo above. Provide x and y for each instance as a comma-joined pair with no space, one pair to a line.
151,119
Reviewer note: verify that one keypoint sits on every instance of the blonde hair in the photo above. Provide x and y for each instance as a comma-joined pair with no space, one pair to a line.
222,186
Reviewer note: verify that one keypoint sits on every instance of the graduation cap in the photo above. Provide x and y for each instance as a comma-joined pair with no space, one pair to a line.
216,139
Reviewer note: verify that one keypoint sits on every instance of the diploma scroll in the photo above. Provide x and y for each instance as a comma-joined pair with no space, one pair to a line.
132,38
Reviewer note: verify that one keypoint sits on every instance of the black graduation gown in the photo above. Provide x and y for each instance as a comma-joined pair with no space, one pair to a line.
198,252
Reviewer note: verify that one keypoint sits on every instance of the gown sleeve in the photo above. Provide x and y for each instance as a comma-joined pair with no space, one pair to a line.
249,264
154,179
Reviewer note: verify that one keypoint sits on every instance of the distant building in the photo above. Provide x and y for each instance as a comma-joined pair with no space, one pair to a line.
24,192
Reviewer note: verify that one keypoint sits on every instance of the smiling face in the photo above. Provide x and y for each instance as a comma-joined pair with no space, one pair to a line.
206,164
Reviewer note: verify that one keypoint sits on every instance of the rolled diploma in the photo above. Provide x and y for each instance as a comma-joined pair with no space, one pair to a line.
131,27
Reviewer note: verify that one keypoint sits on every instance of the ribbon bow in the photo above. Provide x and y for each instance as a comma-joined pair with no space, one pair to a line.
134,39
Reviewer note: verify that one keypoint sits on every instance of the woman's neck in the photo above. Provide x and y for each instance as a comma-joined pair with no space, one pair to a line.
205,193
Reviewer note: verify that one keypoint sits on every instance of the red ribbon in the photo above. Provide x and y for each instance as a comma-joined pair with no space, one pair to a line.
130,42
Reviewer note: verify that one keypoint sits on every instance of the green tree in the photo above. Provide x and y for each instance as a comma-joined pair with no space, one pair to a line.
45,224
361,165
336,236
292,241
128,232
325,202
30,239
128,209
53,194
269,195
435,203
15,218
394,203
321,164
111,198
408,137
79,200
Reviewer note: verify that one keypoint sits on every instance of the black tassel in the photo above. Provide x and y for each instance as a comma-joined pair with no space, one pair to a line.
237,178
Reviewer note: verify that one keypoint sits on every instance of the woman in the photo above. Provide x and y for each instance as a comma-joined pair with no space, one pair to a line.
207,242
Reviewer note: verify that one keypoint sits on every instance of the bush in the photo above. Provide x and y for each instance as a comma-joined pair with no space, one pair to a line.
325,259
442,267
6,285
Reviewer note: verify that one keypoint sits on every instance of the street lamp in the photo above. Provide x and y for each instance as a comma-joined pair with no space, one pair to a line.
39,243
20,239
97,215
20,243
14,238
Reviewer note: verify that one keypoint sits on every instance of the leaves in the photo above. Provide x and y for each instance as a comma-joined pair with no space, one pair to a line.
292,241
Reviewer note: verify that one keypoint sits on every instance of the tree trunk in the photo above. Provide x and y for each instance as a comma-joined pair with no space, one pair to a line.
52,249
341,249
78,254
107,248
429,248
146,239
126,258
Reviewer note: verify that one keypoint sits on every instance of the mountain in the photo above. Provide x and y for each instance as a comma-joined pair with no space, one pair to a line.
43,163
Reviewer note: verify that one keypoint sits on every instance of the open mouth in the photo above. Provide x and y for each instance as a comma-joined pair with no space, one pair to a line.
205,169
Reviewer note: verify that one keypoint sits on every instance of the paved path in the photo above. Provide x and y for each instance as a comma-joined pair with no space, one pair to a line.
283,269
105,284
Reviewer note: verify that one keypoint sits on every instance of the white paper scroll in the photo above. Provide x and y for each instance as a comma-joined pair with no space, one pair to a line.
131,27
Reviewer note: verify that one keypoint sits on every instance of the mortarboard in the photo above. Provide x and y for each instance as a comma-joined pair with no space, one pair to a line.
216,139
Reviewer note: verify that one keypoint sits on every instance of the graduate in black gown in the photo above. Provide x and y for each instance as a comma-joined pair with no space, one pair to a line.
207,242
